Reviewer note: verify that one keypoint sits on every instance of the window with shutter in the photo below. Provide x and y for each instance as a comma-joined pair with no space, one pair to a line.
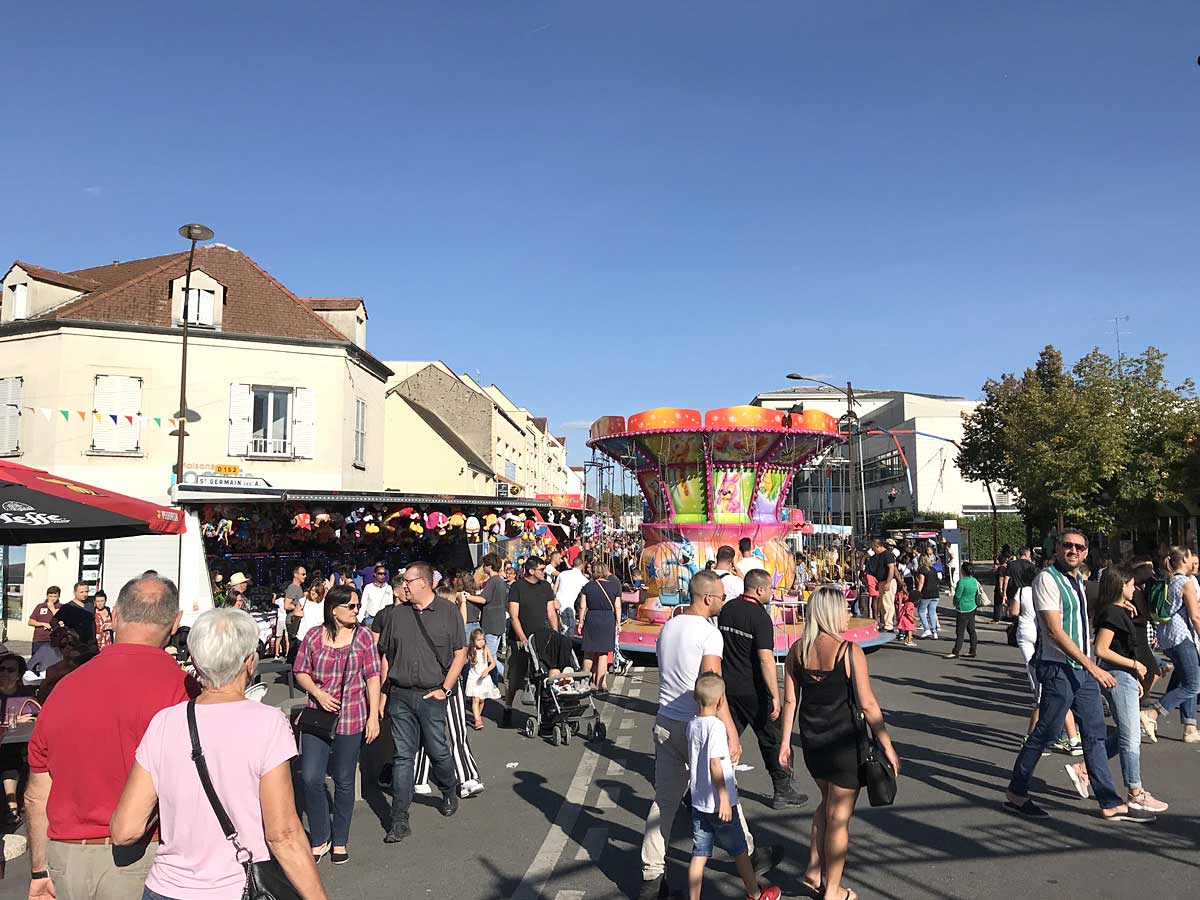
304,423
360,432
19,294
241,407
10,413
116,408
200,307
272,422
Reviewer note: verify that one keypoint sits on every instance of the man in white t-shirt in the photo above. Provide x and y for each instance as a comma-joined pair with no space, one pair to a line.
687,645
734,586
567,590
748,561
375,596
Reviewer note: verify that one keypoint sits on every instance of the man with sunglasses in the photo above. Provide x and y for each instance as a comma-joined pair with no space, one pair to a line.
1070,681
375,595
423,654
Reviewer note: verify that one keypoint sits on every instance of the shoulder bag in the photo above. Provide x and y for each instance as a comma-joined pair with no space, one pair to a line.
264,880
432,647
321,722
874,771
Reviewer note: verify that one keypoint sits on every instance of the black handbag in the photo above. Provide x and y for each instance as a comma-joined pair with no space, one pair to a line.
873,770
264,880
321,722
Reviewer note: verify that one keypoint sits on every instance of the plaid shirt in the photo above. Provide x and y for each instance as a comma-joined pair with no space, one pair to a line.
326,665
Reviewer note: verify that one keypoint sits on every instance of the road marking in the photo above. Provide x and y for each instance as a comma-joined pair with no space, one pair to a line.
624,741
615,769
608,796
569,895
635,691
544,861
625,725
592,846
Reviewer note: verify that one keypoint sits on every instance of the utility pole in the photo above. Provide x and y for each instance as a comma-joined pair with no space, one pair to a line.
1117,332
851,429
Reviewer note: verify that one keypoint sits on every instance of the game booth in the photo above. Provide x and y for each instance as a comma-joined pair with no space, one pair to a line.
710,480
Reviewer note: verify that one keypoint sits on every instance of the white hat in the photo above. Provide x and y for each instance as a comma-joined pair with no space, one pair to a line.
238,578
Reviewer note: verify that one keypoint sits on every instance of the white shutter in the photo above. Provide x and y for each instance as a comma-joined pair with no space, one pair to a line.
20,301
120,396
304,416
10,413
241,409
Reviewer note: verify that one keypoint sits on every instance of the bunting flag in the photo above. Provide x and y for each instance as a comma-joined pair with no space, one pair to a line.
138,420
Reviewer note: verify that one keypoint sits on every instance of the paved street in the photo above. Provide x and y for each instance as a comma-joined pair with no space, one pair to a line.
565,823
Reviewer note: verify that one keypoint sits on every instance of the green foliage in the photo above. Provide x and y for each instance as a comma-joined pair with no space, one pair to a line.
1010,528
1101,445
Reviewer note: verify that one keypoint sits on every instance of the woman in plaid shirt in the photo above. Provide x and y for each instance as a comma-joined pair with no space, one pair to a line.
339,652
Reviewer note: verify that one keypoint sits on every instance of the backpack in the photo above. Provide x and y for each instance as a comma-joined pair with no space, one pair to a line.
1158,599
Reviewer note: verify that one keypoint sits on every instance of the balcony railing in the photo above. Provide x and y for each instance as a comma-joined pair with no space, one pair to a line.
270,447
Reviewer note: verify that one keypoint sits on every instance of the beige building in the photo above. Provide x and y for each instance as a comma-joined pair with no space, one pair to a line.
286,393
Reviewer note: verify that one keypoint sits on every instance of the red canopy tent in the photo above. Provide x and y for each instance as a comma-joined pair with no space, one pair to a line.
39,507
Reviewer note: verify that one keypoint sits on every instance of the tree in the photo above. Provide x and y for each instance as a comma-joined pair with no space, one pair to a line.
1100,446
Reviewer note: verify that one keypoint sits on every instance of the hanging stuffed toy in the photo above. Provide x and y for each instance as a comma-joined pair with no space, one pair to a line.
456,521
302,521
472,528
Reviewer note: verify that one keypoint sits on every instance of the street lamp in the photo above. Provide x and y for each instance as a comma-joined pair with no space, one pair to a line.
192,232
851,430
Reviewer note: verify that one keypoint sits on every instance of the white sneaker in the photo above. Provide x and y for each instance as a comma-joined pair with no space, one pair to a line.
470,788
423,789
926,634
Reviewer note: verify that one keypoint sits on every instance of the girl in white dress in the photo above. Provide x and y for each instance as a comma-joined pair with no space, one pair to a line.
480,686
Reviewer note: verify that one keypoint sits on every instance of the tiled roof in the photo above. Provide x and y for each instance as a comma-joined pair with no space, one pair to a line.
539,422
334,304
62,279
138,292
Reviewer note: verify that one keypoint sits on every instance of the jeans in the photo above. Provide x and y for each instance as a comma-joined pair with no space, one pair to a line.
1127,741
493,644
670,784
708,831
964,624
415,722
1184,683
927,613
1065,688
315,756
148,894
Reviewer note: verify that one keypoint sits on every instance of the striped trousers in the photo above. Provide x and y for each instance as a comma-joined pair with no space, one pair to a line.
456,736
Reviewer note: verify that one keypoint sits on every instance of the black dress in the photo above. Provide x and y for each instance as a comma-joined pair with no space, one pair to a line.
600,625
827,730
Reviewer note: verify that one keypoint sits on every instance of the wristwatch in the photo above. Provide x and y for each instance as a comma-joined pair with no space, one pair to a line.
40,873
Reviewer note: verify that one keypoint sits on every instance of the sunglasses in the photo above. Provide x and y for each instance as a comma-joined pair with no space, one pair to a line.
1071,545
381,572
349,606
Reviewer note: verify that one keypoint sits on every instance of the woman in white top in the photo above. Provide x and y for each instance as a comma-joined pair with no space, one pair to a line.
1177,639
314,608
247,748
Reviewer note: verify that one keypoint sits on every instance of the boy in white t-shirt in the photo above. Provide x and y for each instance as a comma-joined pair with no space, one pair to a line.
716,819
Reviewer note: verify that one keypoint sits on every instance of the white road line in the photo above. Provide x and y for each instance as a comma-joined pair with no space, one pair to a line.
635,691
624,741
592,846
615,769
569,895
557,838
625,725
608,796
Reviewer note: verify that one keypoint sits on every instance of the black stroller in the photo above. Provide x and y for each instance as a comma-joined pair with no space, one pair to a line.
563,705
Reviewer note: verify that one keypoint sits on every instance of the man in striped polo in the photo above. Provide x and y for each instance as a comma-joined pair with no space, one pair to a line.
1070,680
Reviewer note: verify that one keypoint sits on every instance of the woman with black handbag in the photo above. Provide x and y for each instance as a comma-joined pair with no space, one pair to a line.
338,666
226,814
846,745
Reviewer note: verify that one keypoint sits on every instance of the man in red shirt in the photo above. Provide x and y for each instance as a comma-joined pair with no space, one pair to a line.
573,552
82,749
43,615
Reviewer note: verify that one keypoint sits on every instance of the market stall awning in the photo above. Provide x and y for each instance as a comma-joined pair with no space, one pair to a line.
37,507
193,493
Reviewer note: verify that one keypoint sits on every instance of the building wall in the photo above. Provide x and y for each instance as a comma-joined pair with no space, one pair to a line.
419,461
464,410
59,370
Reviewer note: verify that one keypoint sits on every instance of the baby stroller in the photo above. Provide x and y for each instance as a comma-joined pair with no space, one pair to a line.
563,705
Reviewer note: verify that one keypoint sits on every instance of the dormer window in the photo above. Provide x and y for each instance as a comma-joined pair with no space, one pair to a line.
199,307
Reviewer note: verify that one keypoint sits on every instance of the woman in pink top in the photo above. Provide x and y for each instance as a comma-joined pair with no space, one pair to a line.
248,748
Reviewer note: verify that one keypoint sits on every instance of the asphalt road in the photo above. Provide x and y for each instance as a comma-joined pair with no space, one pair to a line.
565,823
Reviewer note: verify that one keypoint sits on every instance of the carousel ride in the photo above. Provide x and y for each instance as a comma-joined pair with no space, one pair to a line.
710,480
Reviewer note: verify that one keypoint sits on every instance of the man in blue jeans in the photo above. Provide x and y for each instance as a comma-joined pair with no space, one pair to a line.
1069,680
423,653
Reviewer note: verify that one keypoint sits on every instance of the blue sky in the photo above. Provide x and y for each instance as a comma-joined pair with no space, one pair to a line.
611,206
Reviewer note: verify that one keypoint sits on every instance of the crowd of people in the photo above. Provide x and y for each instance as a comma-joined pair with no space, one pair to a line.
402,654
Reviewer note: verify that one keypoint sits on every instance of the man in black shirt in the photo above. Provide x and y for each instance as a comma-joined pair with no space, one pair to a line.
74,615
534,624
1021,572
751,685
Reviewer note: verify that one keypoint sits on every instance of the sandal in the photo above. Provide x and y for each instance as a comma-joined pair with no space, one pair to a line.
816,890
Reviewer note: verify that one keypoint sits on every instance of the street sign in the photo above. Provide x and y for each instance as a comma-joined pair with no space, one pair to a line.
231,481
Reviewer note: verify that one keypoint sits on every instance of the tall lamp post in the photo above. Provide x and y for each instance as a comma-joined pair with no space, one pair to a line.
850,418
192,232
